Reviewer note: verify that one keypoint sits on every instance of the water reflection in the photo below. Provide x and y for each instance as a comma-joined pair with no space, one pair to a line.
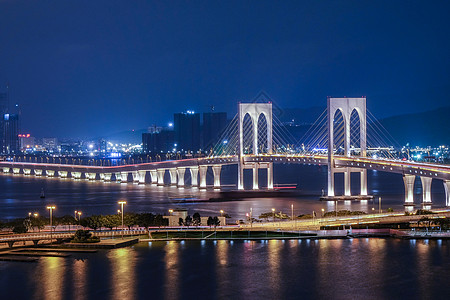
222,273
274,249
173,270
52,271
79,278
123,277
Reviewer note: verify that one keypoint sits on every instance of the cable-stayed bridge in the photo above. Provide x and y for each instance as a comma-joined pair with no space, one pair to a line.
346,137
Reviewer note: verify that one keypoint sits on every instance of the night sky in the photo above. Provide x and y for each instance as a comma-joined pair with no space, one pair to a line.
92,68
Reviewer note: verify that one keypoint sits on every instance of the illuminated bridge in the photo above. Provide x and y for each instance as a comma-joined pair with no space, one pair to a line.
255,140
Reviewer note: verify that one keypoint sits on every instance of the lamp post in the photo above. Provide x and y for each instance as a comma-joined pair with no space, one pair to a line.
273,212
292,212
221,212
75,215
379,204
51,208
121,204
79,216
323,210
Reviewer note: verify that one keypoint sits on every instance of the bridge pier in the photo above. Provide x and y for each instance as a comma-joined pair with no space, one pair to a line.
135,175
35,242
194,176
118,177
347,188
50,173
447,192
76,175
409,188
6,170
62,174
107,176
216,171
240,174
123,177
255,177
154,176
180,175
270,176
173,176
203,170
27,172
161,173
142,177
363,174
16,170
37,172
426,190
92,176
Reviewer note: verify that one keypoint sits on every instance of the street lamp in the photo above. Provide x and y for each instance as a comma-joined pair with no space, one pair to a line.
35,215
76,212
273,212
51,208
221,212
323,210
121,204
170,211
79,216
292,211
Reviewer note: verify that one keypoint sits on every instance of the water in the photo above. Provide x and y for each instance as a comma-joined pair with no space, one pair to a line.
20,194
271,269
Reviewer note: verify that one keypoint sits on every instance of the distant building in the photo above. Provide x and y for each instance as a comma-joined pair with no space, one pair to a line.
213,125
187,131
158,140
10,138
26,141
50,144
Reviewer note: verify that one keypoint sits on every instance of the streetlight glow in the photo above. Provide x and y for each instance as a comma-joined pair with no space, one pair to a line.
122,203
51,208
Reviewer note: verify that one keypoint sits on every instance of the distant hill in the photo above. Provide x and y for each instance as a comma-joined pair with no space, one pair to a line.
430,128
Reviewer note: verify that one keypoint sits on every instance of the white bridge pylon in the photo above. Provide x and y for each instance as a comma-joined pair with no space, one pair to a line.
346,106
255,110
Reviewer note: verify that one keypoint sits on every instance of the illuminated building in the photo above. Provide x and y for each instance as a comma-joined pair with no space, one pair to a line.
187,131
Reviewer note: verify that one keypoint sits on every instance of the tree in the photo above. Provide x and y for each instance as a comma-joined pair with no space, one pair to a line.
93,222
159,221
197,220
180,222
111,221
146,220
38,222
210,221
130,219
216,221
188,221
67,220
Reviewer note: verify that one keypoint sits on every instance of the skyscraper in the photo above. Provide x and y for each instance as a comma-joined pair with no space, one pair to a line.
10,139
213,125
187,131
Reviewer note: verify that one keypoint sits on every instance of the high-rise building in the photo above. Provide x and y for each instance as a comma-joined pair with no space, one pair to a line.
10,140
213,125
160,140
187,131
26,142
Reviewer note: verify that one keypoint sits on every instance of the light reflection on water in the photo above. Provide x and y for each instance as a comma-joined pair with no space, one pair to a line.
53,271
271,269
123,273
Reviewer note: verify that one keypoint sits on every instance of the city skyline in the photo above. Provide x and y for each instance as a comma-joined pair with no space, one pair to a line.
100,75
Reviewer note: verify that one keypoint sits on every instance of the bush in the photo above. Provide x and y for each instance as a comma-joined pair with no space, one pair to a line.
84,236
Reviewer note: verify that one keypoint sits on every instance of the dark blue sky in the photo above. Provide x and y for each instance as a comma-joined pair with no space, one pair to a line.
90,68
